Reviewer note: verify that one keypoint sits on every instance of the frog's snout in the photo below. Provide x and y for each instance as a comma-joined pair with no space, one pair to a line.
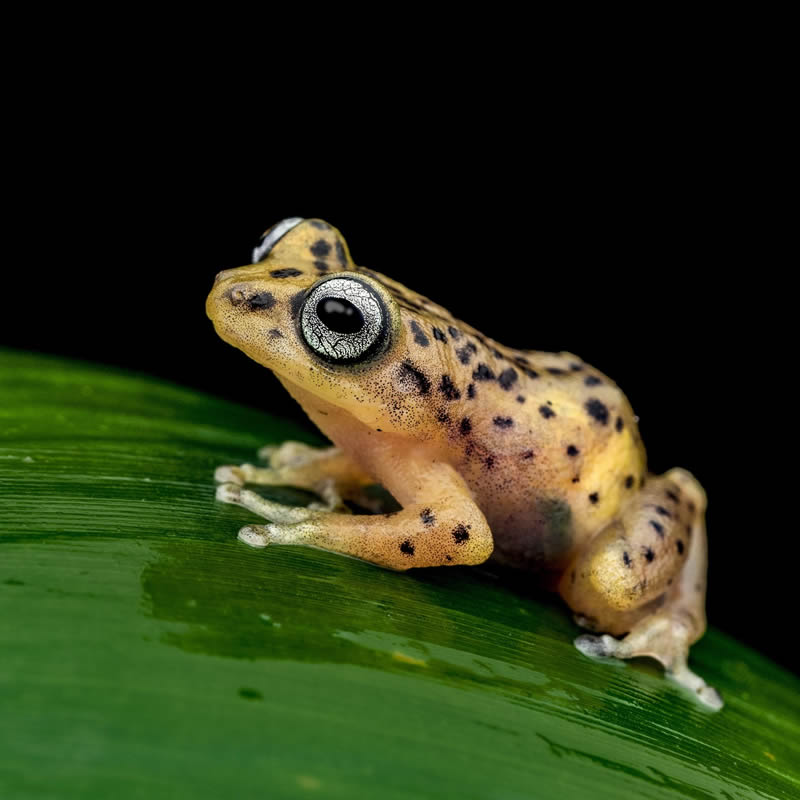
221,276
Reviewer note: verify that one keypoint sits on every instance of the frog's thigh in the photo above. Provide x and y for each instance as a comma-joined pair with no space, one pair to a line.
646,574
445,527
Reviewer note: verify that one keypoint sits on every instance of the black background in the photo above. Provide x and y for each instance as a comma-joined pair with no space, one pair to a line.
632,245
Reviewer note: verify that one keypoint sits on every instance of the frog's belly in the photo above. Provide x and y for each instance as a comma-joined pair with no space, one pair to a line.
533,528
540,537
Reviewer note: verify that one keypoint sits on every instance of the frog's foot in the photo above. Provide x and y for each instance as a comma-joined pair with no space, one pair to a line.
326,471
664,636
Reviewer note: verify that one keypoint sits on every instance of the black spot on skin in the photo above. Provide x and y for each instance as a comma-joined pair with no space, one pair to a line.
672,496
295,302
409,372
530,372
619,424
503,422
556,371
427,517
597,410
521,360
454,332
448,558
419,335
546,412
448,388
594,498
471,347
576,479
460,534
626,559
679,545
465,426
572,577
572,450
406,548
483,373
507,378
489,462
591,380
285,273
629,482
692,507
439,335
320,248
321,266
576,367
340,254
649,554
520,398
275,334
528,454
471,391
464,354
658,527
320,225
263,301
497,354
443,417
663,511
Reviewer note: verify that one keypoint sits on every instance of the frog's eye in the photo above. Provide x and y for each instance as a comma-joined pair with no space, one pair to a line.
344,320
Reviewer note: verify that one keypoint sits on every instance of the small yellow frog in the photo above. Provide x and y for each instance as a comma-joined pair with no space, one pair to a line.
529,457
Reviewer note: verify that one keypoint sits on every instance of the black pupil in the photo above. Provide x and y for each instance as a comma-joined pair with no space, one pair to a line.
340,315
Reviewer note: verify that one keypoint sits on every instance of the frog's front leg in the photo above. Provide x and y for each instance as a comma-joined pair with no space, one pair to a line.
440,524
645,574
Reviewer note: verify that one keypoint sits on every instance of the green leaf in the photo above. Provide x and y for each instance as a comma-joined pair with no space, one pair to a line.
146,652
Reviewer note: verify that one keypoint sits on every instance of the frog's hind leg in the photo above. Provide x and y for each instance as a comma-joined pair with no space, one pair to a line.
326,471
646,574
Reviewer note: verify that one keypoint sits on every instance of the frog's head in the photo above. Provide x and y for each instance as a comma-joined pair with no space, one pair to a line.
338,332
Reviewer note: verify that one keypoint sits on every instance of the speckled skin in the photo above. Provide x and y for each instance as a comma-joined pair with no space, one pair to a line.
532,458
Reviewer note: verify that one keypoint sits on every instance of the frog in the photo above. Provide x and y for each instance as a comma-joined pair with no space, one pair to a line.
527,459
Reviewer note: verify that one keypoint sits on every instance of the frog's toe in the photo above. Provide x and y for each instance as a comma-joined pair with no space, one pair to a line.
229,492
229,474
597,646
298,533
265,452
254,535
269,509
